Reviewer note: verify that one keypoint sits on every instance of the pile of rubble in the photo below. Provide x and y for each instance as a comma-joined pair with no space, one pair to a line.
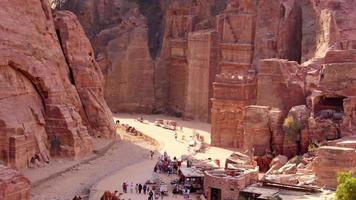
296,171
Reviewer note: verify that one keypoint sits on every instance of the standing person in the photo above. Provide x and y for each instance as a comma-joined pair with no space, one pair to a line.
162,194
136,188
150,195
124,187
144,188
131,187
139,188
152,154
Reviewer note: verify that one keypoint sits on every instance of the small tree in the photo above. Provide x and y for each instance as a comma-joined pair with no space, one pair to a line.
346,189
292,127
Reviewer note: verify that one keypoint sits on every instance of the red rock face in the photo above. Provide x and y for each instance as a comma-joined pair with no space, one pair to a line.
119,36
278,30
85,73
280,84
47,96
13,185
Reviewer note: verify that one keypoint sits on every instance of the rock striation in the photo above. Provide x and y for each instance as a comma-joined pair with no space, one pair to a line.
51,92
119,35
84,73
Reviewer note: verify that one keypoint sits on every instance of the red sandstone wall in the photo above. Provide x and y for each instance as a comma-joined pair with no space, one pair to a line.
85,73
202,51
51,86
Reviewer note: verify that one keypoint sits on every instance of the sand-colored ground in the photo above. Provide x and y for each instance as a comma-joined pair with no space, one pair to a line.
79,180
141,172
128,161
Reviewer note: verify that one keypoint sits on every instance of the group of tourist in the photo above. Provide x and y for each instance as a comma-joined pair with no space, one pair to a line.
144,189
139,188
166,165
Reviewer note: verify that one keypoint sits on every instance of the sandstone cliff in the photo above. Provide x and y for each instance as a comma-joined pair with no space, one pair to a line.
51,98
85,73
119,34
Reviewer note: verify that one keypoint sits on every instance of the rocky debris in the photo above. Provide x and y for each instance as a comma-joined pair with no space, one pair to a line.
296,171
239,160
263,162
84,73
276,163
13,185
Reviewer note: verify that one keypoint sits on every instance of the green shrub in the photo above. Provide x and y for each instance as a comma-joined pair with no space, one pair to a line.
346,189
292,126
312,148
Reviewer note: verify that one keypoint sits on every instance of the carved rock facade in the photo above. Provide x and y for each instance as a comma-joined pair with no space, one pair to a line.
51,90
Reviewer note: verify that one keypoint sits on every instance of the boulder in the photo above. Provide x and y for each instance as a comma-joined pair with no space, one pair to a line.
13,185
263,162
279,160
288,169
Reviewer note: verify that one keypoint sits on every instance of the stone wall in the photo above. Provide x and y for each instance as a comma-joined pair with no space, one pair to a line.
202,52
262,130
229,185
280,84
178,77
330,161
229,101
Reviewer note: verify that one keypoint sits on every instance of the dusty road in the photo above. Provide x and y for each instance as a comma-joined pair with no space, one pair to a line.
141,172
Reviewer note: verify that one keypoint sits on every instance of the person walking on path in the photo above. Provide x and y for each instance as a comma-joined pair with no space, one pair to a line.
139,188
162,194
124,187
150,195
136,188
131,187
144,188
152,154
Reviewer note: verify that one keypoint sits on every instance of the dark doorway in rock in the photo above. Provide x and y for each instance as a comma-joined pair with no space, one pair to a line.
215,194
335,103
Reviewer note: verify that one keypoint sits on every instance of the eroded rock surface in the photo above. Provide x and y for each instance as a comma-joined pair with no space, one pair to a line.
119,34
51,98
84,73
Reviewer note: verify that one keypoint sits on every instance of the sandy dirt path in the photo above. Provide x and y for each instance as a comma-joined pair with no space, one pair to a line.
79,180
141,172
